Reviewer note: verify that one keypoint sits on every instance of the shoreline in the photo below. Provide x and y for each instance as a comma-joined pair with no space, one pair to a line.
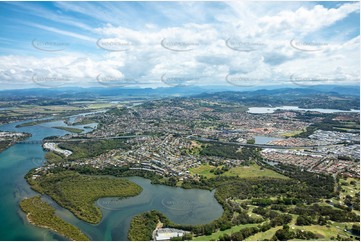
44,226
54,220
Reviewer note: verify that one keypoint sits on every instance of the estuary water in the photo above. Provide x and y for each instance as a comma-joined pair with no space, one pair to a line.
258,110
191,206
261,140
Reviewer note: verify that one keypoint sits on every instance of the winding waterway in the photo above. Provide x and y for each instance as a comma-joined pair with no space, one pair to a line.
182,206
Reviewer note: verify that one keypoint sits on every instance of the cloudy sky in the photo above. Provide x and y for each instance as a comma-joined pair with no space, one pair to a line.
152,44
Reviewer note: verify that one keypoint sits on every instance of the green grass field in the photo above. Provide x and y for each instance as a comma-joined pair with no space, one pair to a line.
264,235
241,171
326,232
204,170
101,105
216,235
253,171
293,133
30,109
346,189
349,189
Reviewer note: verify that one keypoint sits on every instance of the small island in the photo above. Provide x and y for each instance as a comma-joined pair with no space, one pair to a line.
69,129
33,123
43,215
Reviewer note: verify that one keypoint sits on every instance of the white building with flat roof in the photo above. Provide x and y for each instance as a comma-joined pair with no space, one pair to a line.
167,233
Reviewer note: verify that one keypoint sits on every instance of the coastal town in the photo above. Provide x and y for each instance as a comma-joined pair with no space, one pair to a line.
198,142
180,120
166,138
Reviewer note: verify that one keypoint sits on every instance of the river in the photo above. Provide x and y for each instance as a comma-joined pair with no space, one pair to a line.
183,206
258,110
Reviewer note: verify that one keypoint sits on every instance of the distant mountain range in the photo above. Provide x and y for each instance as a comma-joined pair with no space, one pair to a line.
68,92
326,97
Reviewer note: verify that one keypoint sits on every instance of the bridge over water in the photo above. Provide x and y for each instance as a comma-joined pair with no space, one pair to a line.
30,142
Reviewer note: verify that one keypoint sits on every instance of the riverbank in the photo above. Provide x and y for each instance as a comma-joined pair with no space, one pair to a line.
7,139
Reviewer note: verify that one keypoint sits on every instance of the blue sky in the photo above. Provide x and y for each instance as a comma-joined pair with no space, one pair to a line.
152,44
